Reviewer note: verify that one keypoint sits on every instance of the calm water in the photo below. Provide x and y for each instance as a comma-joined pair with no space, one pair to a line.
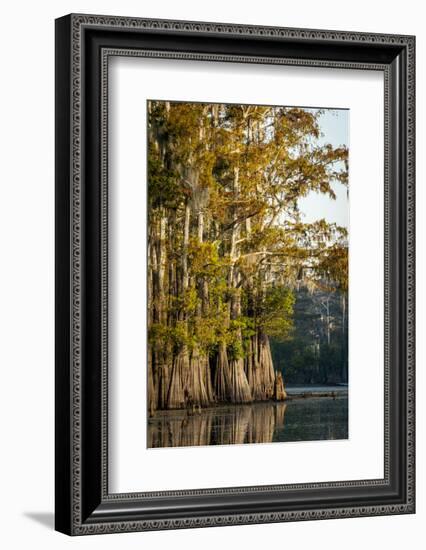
298,389
307,419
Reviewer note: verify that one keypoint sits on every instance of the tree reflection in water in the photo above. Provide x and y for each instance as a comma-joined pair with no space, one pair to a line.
298,420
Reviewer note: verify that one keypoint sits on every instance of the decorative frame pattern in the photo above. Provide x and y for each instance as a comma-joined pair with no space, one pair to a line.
84,505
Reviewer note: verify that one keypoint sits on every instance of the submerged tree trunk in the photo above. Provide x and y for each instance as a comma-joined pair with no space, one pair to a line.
266,365
208,381
222,379
279,391
197,394
240,390
257,379
163,383
176,389
152,401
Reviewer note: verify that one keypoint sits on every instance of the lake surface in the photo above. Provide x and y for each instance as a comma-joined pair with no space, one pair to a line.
299,389
304,419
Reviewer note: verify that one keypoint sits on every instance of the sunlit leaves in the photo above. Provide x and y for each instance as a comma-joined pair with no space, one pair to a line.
232,177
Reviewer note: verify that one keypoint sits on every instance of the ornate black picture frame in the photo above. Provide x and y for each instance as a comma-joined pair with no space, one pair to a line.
83,45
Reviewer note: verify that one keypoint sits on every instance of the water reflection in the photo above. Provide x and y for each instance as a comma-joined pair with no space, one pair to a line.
296,420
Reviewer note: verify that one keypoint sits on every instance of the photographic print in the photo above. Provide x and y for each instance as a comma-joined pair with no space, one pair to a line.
219,293
247,273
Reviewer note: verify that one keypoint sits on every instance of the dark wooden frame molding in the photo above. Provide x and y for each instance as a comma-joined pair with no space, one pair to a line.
84,44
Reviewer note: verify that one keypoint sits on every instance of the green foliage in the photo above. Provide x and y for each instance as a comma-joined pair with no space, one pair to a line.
276,312
306,357
163,185
334,266
204,258
235,350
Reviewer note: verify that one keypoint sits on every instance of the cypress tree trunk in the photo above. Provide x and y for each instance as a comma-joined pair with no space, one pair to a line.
152,402
208,381
163,384
197,392
199,386
258,381
222,379
176,397
249,365
279,391
240,389
266,366
152,367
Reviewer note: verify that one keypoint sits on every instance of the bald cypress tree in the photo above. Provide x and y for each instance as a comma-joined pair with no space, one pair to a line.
227,245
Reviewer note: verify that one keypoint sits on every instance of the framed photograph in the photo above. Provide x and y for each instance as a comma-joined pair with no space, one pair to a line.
234,274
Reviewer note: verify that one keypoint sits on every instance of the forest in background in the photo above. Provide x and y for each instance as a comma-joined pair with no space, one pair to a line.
238,284
317,352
